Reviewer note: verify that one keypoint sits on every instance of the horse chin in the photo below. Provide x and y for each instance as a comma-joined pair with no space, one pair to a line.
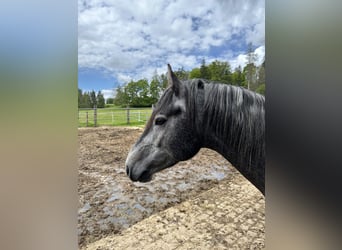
146,168
145,176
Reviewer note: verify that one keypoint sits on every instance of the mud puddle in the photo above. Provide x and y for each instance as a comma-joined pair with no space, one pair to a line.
110,202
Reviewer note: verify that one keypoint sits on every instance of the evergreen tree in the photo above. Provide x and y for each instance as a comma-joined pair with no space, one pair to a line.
100,100
182,74
261,74
261,88
164,81
93,101
250,68
156,88
86,102
204,71
80,97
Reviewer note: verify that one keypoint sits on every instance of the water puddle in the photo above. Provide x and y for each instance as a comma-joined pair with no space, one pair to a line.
85,208
120,203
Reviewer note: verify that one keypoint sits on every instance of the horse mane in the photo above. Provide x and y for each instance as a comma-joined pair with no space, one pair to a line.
232,113
236,115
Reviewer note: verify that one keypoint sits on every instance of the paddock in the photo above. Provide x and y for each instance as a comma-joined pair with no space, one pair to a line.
201,203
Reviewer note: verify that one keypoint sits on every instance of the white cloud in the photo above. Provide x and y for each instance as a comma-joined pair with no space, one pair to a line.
256,35
260,53
108,93
131,39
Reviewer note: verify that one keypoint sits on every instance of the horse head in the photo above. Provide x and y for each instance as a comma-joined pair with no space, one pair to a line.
170,135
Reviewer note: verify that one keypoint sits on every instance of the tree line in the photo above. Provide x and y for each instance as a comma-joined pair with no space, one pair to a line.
143,93
90,99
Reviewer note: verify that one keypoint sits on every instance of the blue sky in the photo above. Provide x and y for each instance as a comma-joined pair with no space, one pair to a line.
123,40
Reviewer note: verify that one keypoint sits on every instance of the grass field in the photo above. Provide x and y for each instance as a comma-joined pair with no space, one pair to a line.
114,117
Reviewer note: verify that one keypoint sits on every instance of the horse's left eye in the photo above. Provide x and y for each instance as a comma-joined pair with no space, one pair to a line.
160,120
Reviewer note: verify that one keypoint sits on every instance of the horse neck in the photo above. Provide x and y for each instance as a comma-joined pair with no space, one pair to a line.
237,133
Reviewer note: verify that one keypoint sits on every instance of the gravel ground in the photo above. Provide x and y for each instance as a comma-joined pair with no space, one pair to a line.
198,204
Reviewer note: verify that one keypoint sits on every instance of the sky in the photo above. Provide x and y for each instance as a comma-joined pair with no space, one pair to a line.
123,40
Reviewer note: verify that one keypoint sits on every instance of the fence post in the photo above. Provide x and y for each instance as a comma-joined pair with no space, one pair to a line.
127,115
86,118
95,116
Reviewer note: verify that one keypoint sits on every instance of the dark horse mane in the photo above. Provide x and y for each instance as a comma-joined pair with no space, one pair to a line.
237,116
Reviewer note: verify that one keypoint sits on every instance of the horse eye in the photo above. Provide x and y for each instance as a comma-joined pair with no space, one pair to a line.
160,120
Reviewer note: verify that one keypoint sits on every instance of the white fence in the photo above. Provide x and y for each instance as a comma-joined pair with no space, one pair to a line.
113,116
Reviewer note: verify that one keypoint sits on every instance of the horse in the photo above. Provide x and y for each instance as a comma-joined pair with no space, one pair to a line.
196,114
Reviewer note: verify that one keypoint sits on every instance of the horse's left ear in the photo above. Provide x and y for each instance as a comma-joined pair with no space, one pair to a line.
173,81
200,84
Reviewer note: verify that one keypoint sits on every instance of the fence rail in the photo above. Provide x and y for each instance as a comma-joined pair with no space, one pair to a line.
113,116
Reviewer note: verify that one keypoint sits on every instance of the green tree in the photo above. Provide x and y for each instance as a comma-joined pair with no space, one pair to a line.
93,101
121,98
80,97
204,71
261,89
86,102
220,71
182,74
100,100
250,69
142,94
238,77
110,100
164,81
156,87
195,73
136,94
261,74
261,81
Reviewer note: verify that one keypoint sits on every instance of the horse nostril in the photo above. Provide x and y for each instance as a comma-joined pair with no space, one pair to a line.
127,170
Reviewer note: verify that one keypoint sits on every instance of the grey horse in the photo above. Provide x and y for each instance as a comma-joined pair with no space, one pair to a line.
194,114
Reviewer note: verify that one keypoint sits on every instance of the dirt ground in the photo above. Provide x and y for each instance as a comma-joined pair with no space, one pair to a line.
203,197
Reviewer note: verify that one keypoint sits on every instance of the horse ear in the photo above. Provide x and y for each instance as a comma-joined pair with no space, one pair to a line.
200,84
173,80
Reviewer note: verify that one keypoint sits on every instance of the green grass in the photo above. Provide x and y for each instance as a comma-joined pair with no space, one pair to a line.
114,117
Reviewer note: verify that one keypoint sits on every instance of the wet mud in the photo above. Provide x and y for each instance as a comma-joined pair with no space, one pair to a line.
109,202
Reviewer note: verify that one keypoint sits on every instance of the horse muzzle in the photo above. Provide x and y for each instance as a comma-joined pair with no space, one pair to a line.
142,176
142,162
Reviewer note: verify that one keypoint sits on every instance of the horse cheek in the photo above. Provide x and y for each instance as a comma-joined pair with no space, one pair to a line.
184,146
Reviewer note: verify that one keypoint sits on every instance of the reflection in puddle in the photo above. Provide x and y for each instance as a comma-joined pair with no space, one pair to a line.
119,205
85,208
183,186
138,206
114,197
218,175
150,199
